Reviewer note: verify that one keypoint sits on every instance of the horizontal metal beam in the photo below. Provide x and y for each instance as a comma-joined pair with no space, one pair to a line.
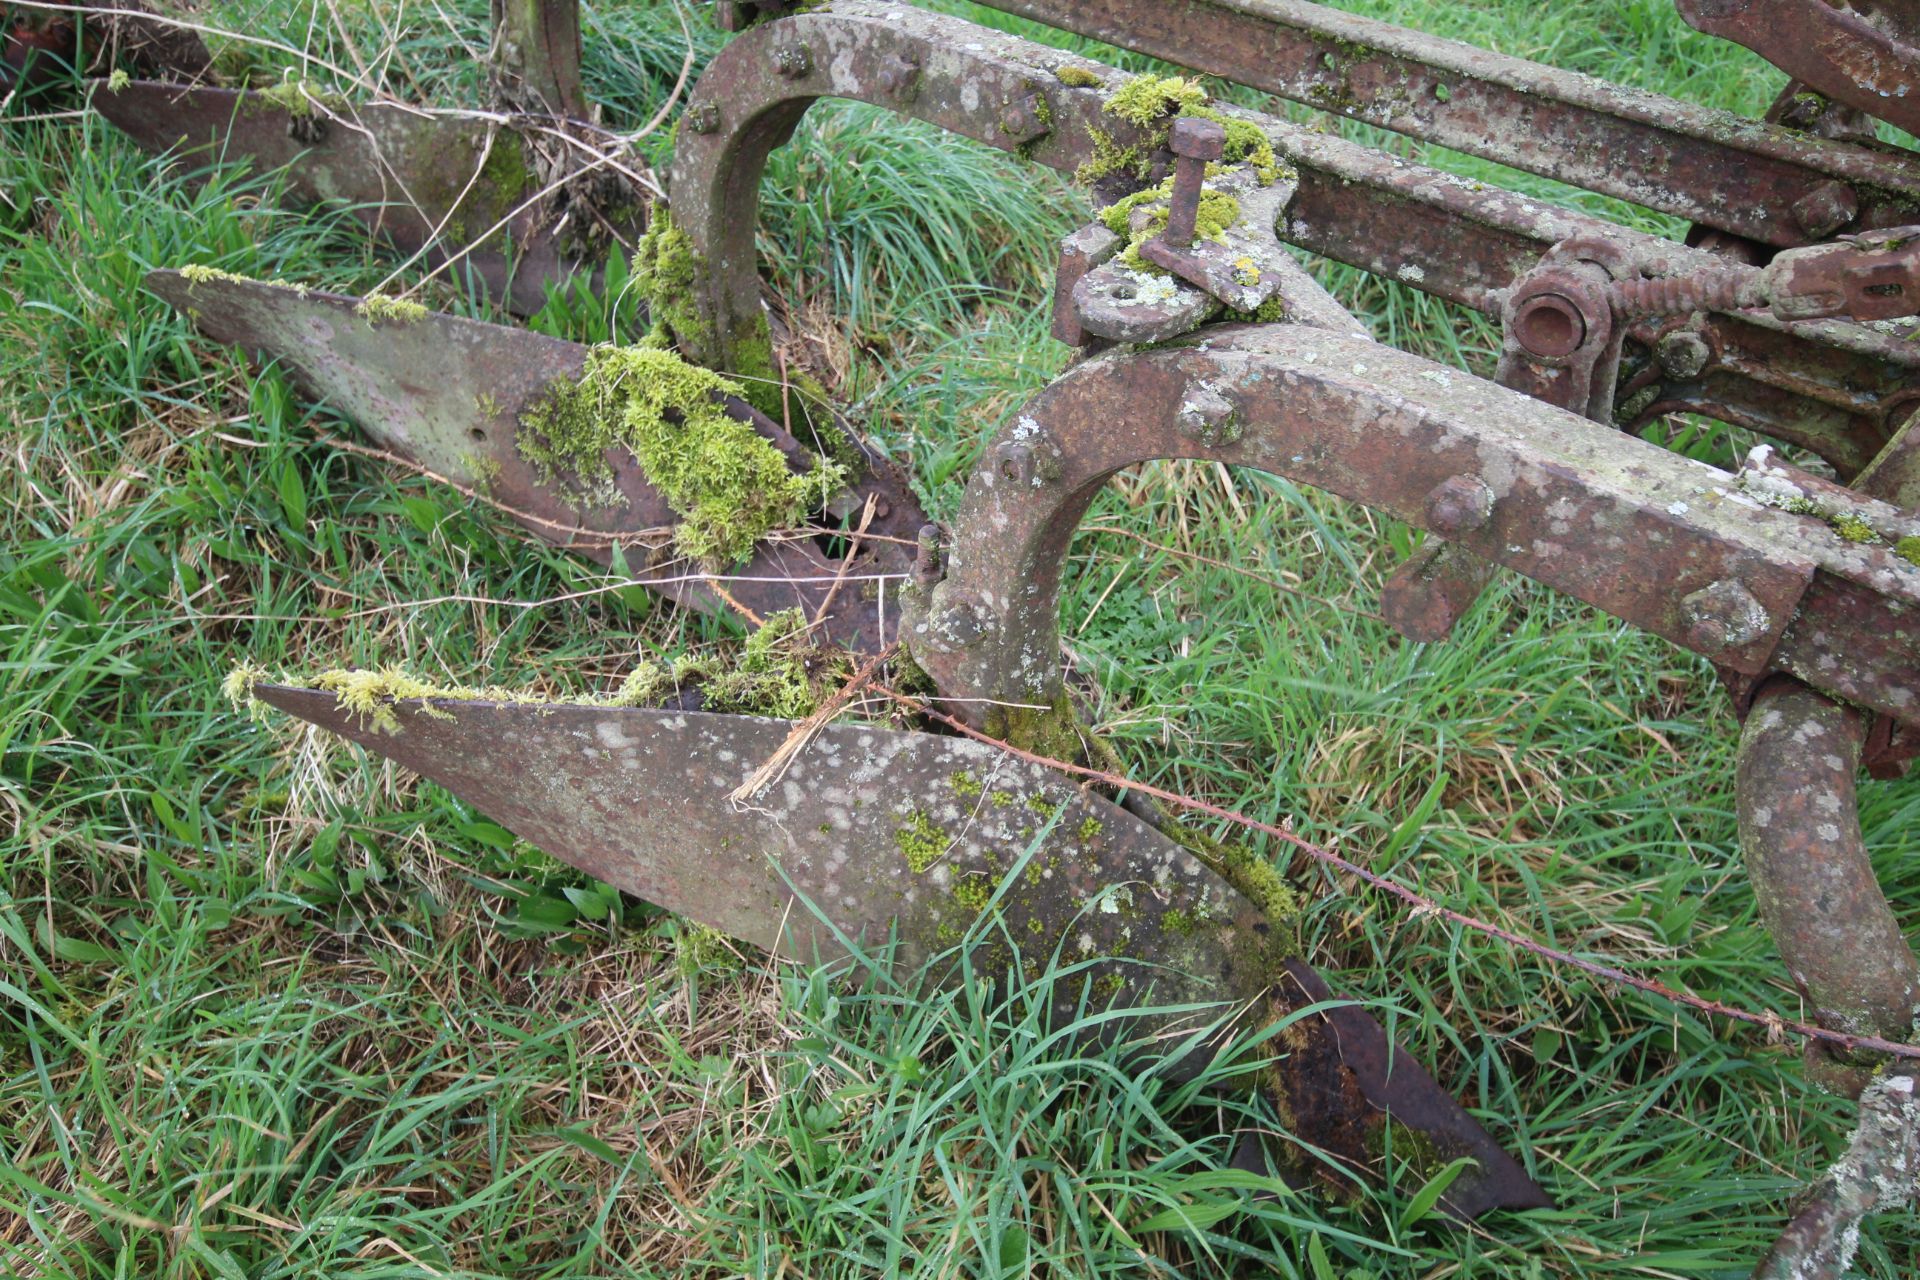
1710,167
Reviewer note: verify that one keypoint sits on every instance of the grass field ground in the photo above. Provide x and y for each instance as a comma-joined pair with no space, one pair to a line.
270,1009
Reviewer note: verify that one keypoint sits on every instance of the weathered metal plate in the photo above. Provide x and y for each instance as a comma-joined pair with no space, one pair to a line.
447,393
422,181
888,833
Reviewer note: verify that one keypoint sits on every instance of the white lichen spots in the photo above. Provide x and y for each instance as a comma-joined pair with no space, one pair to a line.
1828,831
1411,272
1437,377
612,736
1762,817
1677,508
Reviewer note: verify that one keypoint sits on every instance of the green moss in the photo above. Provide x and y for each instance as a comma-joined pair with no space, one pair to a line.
1077,78
504,173
199,273
1109,158
1908,549
779,673
1153,103
1246,144
1218,212
666,271
378,307
1272,311
1053,732
1090,829
921,842
1144,100
1047,809
1179,922
729,485
1000,799
118,80
647,685
367,694
195,273
1853,529
965,784
298,98
973,894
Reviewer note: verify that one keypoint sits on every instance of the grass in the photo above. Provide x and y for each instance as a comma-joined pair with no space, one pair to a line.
269,1008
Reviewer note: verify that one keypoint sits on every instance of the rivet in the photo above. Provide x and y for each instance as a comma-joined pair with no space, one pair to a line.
703,117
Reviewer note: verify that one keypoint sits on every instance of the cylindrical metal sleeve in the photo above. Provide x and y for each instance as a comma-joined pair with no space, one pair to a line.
1799,755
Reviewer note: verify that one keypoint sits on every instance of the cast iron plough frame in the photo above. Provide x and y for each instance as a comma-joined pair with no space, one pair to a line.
1797,587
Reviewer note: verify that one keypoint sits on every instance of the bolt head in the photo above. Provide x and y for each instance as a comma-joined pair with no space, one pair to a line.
1194,138
1023,120
1723,616
901,78
1825,209
1209,417
1459,504
793,61
1683,354
703,117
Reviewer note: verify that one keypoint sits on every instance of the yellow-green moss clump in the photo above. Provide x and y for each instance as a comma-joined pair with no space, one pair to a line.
378,307
368,694
1218,211
921,841
666,271
779,673
298,98
1153,103
1852,528
1908,549
728,484
666,268
1077,78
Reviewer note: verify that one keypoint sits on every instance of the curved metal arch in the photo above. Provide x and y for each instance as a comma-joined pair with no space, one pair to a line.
1664,542
981,84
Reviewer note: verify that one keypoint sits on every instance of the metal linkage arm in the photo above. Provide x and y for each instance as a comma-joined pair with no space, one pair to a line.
1755,180
1671,545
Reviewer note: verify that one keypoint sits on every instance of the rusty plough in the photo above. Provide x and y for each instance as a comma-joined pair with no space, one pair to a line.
1200,336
